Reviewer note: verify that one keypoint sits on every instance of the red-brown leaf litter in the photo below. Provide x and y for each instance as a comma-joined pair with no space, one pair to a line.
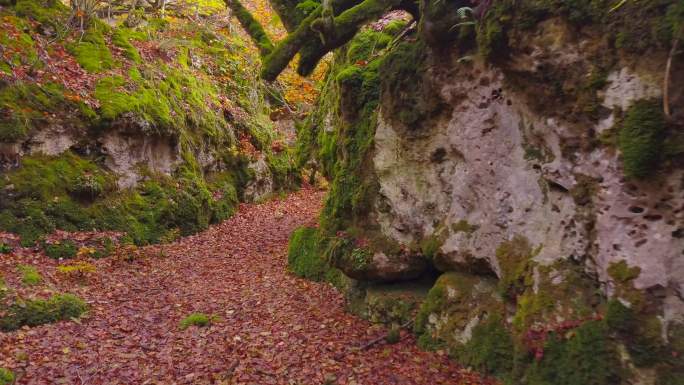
272,327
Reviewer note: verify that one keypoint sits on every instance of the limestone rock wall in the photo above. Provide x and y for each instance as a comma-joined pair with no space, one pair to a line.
537,180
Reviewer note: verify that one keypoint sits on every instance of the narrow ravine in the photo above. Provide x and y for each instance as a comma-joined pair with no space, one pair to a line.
272,327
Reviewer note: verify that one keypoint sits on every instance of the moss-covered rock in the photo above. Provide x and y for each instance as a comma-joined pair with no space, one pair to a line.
409,99
455,305
304,257
490,349
395,303
22,107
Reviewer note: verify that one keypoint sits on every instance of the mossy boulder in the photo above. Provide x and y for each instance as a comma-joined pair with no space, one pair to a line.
374,259
394,303
455,305
304,257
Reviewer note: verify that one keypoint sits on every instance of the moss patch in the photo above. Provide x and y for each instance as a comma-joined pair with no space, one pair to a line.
515,262
584,356
59,307
91,52
23,107
196,319
304,257
490,350
6,377
641,139
29,275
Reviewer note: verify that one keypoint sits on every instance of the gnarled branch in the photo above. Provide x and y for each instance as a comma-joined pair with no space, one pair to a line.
251,26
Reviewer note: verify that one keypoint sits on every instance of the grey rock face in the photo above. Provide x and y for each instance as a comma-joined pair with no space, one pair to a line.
497,169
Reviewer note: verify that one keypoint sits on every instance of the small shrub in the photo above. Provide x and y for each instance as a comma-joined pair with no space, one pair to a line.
197,319
59,307
5,248
60,250
29,275
6,377
78,271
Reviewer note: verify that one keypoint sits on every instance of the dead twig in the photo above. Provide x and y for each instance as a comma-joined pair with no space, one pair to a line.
383,337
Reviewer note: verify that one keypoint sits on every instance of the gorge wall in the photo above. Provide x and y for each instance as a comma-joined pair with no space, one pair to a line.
154,130
524,162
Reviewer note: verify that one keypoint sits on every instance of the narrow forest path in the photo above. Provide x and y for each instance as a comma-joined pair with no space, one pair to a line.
274,328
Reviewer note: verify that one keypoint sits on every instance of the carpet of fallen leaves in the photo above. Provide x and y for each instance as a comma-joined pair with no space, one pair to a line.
273,327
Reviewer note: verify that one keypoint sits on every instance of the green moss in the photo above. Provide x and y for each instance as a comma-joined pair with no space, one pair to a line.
283,170
40,192
61,249
641,333
29,275
622,272
304,257
640,139
463,226
91,52
20,49
178,103
196,319
59,307
585,356
427,342
6,377
122,38
406,99
251,26
394,27
431,245
307,6
490,350
459,297
515,263
394,303
47,12
366,44
23,107
44,178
